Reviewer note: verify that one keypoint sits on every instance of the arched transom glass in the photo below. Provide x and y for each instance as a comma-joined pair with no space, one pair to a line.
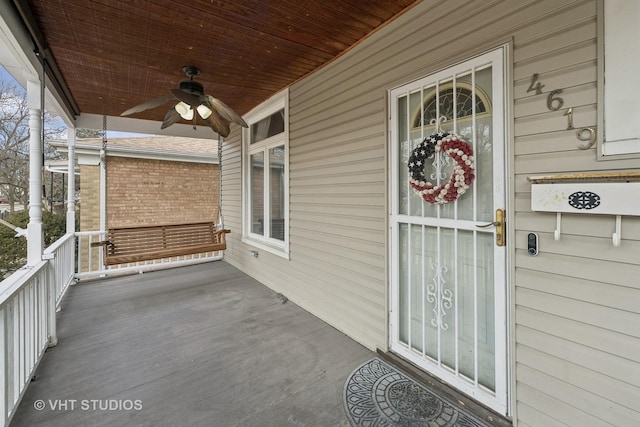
446,104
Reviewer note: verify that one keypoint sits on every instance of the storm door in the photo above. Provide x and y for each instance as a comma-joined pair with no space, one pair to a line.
448,269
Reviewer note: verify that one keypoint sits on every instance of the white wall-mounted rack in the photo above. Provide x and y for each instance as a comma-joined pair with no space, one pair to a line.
604,193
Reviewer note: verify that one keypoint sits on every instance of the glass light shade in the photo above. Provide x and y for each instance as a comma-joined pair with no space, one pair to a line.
204,111
184,110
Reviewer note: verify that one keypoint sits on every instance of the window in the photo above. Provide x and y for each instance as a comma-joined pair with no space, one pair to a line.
442,103
619,87
266,177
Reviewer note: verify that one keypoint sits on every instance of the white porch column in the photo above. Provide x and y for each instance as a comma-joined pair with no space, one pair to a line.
35,239
71,181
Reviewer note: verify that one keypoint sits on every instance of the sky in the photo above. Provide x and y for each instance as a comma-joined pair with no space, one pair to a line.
5,76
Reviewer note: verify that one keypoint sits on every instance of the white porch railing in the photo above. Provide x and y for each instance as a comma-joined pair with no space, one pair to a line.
62,257
28,301
91,260
30,297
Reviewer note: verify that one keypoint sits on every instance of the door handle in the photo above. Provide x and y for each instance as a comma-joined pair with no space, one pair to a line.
500,225
494,223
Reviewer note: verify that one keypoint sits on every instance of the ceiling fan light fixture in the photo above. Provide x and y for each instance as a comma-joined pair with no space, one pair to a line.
204,111
188,116
215,114
184,110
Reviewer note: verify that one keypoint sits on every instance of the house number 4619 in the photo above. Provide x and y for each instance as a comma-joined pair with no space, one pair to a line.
554,103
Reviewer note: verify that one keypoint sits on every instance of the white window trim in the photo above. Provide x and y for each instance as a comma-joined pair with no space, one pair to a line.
275,103
619,93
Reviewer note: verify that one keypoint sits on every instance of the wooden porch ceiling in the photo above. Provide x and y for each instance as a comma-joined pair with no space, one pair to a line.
115,54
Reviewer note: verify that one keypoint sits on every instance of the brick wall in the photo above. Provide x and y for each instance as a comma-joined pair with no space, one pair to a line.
146,192
149,192
89,197
89,209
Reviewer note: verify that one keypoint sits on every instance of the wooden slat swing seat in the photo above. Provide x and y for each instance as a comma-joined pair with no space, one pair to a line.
125,245
133,244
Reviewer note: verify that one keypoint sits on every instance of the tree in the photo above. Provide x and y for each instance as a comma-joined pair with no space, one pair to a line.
13,250
14,142
88,133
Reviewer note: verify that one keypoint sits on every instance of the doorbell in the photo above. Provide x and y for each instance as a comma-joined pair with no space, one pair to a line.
532,244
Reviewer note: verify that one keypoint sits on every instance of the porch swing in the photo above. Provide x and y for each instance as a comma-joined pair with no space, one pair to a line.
123,245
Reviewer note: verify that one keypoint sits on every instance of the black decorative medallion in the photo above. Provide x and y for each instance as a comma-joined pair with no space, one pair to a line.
377,395
584,200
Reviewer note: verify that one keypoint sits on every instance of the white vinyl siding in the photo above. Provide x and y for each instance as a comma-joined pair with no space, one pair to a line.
577,339
576,349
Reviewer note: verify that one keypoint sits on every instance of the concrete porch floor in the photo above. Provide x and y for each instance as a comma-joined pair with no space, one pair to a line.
204,345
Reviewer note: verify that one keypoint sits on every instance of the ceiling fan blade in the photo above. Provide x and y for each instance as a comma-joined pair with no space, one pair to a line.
224,110
147,105
187,98
218,123
170,118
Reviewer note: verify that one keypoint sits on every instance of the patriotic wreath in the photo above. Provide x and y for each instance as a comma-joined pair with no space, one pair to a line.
462,175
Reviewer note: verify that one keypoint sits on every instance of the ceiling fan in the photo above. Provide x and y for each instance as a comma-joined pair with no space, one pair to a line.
190,94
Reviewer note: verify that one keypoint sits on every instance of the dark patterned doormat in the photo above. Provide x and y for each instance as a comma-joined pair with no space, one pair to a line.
377,395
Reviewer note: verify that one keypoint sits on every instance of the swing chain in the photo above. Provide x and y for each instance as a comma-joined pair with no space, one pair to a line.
104,139
103,159
220,218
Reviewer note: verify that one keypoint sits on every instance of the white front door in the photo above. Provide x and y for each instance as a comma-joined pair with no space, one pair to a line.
448,275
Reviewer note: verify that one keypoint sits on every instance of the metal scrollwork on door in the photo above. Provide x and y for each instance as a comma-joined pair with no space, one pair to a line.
439,163
440,297
439,160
